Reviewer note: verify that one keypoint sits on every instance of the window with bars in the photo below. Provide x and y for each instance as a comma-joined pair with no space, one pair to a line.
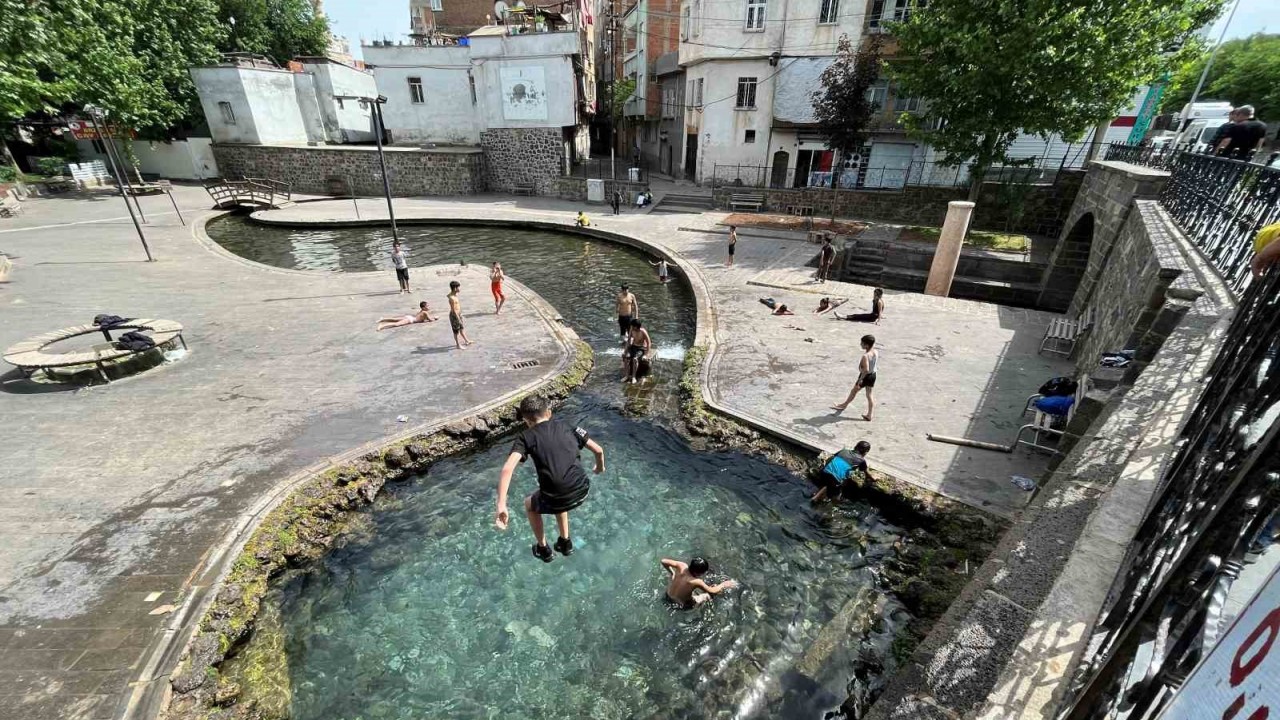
697,94
228,115
749,136
415,91
755,14
746,93
830,12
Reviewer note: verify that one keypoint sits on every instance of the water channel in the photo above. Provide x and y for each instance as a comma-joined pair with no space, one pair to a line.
428,611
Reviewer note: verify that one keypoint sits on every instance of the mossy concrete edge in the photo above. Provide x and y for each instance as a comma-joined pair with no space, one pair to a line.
305,524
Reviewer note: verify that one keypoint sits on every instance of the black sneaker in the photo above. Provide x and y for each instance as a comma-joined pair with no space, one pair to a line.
564,546
543,553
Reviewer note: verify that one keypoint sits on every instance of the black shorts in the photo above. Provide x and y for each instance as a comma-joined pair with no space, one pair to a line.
402,274
455,322
624,324
869,380
545,507
731,247
833,486
635,352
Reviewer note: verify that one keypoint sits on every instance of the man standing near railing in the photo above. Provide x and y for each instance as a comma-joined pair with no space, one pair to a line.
1243,135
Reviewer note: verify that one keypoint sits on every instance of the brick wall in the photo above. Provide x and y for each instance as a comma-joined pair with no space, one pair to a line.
523,155
308,169
1036,209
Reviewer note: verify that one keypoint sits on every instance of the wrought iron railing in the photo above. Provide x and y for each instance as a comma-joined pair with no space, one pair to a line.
1221,205
1214,508
1149,155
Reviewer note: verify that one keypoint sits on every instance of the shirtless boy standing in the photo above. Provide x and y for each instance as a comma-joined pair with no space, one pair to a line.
627,308
687,588
455,315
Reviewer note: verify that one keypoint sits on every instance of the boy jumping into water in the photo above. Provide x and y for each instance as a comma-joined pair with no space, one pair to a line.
687,588
562,483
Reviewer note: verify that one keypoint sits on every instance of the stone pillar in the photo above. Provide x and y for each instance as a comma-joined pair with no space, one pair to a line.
947,253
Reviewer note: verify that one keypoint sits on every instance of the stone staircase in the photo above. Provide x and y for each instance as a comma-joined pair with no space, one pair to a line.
898,266
683,203
864,261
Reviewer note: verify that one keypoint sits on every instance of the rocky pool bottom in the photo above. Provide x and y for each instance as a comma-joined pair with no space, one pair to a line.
426,610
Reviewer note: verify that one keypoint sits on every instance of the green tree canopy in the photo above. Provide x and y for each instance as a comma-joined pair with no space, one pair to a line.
1245,72
841,107
989,69
279,29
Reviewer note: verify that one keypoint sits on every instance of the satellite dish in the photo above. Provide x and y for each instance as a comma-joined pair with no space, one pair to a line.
519,5
500,10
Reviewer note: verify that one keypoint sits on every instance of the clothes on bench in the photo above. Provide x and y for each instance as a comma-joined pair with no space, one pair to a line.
135,341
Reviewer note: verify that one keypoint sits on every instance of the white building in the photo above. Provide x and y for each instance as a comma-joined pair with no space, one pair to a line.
253,102
452,94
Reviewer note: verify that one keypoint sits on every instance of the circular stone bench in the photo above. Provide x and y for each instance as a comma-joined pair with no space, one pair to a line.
30,355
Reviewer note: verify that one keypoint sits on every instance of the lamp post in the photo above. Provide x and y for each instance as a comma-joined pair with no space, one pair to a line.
375,105
97,114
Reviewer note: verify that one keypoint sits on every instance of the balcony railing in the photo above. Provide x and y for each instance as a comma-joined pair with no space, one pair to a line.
1220,204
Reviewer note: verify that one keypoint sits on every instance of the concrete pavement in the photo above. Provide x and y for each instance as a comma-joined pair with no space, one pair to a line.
949,367
116,495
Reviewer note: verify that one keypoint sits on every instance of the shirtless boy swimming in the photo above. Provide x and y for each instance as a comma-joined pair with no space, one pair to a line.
687,588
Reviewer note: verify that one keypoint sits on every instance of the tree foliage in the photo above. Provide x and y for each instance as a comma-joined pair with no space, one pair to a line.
279,29
842,107
1246,71
131,57
988,69
622,91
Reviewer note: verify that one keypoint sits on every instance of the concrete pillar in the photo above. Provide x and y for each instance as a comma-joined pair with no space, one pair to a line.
945,257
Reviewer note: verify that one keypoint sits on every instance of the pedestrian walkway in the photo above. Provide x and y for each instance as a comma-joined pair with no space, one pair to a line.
117,495
949,367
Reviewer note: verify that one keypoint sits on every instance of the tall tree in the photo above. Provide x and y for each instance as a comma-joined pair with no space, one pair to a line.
1246,71
842,107
279,29
989,69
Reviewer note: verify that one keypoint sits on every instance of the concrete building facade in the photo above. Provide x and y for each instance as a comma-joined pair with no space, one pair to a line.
650,31
252,102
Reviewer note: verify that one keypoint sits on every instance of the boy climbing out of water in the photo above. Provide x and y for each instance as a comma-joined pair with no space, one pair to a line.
687,588
562,483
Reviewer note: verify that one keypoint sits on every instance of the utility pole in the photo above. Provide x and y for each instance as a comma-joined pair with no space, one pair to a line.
1209,65
613,71
100,127
375,105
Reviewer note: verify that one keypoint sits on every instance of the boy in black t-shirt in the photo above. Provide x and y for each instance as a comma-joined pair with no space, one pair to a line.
562,483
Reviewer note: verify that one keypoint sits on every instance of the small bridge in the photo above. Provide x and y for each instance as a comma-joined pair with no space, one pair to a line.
249,193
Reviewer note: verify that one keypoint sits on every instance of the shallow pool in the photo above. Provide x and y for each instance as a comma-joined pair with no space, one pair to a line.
429,611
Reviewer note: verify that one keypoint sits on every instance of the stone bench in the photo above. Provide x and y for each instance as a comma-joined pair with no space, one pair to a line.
30,355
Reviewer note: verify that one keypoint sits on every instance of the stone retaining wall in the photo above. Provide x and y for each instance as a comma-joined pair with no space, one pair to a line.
309,169
1034,209
575,188
523,155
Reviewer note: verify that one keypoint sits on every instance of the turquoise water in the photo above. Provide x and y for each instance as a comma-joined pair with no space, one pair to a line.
430,612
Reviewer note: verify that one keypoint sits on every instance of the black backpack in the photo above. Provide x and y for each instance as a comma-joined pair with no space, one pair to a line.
1059,386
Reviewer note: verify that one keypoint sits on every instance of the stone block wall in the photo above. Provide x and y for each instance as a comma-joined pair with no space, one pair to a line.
1092,225
1142,292
1043,207
575,188
524,155
308,169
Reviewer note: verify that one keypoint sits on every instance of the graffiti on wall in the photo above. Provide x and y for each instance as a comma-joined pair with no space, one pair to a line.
524,93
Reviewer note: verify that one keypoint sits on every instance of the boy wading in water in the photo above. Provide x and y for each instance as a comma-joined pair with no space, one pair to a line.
562,483
687,588
628,309
867,366
455,315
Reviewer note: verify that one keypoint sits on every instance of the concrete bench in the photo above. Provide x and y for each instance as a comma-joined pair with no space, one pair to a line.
524,188
30,355
1063,331
753,201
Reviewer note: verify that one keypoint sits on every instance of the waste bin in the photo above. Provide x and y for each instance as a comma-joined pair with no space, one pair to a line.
633,174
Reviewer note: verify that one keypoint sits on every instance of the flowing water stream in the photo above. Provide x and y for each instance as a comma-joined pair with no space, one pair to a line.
428,611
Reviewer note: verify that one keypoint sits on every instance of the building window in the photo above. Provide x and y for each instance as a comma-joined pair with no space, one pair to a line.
877,12
684,24
697,92
471,80
341,106
877,94
755,14
697,18
746,93
228,115
749,136
830,12
906,104
437,5
415,91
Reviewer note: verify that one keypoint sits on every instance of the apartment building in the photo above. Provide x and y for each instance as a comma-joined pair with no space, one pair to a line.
650,31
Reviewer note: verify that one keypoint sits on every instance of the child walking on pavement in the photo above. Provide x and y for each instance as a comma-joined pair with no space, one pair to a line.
867,367
562,483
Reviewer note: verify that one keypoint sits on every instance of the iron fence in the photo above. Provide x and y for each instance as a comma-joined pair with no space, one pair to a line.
1219,203
617,168
1215,509
917,173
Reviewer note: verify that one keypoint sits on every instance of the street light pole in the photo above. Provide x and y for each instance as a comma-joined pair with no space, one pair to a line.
382,162
99,123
